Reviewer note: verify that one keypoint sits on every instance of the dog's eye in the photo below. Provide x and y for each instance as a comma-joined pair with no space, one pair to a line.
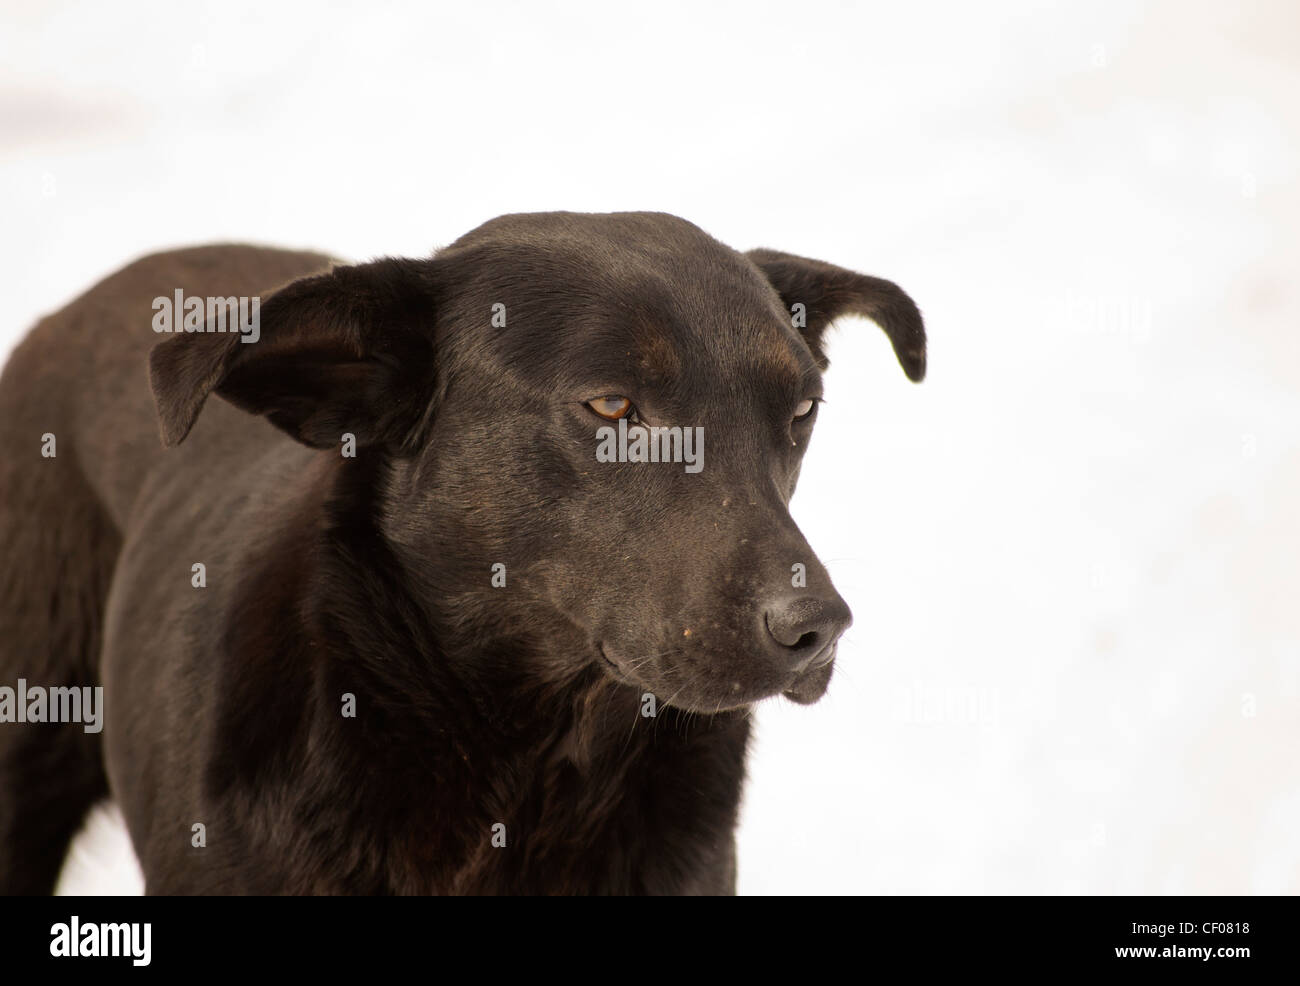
805,408
612,407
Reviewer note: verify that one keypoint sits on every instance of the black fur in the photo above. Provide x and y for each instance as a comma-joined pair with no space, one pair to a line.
477,705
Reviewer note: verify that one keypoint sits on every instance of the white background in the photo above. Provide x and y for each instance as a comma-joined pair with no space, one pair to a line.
1071,552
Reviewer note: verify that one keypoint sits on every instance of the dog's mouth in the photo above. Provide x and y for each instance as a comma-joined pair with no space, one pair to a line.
811,685
807,688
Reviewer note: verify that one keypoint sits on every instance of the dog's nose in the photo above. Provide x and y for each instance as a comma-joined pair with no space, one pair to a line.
805,628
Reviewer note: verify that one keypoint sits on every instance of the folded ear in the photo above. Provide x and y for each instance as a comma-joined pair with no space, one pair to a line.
346,351
826,292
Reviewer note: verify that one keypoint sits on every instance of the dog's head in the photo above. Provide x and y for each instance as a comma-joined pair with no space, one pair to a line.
591,427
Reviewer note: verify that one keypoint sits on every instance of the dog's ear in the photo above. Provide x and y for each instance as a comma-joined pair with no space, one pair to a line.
346,351
826,292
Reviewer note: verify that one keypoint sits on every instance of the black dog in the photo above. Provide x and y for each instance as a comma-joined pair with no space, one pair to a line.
386,621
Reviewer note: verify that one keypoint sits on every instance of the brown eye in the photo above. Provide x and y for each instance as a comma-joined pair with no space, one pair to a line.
613,407
804,408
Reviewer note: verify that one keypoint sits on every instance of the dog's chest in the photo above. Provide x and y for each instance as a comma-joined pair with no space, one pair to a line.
654,819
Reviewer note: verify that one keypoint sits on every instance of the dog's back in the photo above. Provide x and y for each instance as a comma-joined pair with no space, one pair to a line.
81,432
82,373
